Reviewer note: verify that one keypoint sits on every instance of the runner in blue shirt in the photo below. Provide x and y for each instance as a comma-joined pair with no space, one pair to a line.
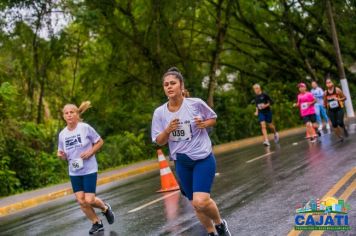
320,110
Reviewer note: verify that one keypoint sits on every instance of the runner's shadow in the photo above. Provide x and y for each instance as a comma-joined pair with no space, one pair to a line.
113,233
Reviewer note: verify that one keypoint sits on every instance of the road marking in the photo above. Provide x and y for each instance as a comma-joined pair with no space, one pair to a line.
343,196
330,193
259,157
153,202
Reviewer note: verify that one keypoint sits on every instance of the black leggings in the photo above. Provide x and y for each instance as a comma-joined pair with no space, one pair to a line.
337,117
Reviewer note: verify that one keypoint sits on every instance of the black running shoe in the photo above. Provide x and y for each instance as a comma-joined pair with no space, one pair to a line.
109,214
318,132
212,234
223,229
97,227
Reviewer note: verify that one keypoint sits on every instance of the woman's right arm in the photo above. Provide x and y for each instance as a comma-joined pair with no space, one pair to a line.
60,152
162,138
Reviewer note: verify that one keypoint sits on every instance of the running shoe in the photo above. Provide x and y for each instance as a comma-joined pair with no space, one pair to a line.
346,133
223,229
212,234
266,143
320,128
97,227
327,126
276,137
318,132
109,214
312,140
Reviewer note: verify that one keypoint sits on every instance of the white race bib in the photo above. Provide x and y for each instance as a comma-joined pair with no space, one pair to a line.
304,105
76,164
183,133
259,106
333,104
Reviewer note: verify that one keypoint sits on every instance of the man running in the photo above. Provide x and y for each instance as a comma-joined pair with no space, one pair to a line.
264,113
320,111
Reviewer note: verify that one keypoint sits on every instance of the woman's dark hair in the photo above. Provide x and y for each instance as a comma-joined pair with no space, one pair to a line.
173,71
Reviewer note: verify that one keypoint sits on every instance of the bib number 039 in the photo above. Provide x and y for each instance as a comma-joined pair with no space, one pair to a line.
178,133
183,133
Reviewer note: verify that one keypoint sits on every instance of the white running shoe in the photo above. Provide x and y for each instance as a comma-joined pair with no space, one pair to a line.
276,137
266,143
320,128
327,126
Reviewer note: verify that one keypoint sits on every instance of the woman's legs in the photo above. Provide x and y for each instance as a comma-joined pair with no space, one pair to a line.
324,115
206,210
196,178
340,118
310,129
317,114
85,188
95,202
205,207
86,207
333,115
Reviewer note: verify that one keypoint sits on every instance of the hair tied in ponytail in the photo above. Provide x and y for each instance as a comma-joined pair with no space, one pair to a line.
84,106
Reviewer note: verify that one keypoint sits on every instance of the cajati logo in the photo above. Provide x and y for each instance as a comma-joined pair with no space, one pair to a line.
328,214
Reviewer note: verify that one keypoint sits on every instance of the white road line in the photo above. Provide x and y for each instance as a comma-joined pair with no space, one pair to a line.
259,157
153,202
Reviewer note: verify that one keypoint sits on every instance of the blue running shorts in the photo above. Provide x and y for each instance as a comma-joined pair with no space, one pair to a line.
195,176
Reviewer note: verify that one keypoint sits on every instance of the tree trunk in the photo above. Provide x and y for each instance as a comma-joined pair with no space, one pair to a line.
339,62
221,26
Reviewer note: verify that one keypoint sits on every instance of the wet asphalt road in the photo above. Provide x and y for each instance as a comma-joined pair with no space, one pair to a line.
256,194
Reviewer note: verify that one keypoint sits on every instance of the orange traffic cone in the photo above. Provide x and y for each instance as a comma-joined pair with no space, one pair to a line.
168,181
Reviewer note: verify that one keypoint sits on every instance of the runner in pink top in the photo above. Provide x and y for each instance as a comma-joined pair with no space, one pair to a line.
306,107
305,102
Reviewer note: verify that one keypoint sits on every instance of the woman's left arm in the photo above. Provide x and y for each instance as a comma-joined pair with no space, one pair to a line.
342,96
206,123
94,149
207,116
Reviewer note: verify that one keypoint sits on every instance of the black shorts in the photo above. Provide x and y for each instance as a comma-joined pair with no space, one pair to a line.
309,118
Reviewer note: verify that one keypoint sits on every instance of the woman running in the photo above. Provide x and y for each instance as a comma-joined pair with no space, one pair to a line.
264,113
77,143
305,103
320,110
334,101
182,122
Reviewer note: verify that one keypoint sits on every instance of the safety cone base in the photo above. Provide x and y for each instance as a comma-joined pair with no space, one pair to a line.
168,189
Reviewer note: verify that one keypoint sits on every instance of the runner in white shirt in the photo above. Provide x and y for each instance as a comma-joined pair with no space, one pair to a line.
182,123
77,143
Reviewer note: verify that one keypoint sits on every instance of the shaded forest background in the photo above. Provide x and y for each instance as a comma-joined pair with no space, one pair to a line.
114,52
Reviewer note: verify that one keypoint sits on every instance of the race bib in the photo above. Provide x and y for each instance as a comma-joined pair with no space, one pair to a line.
183,133
333,104
76,164
260,106
304,105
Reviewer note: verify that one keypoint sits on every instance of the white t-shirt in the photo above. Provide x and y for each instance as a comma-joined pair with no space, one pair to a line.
188,138
73,143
